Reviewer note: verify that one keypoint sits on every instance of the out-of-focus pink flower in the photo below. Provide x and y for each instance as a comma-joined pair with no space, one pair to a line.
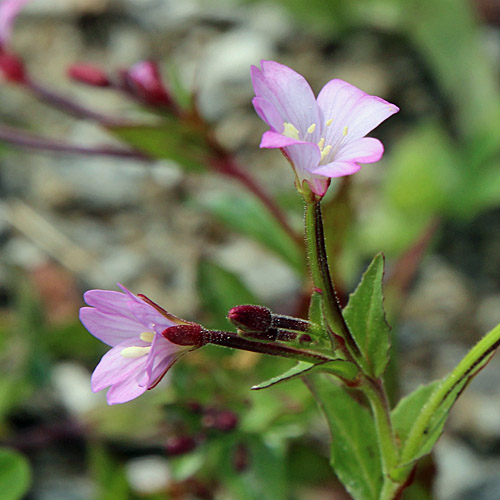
140,355
8,12
323,137
145,81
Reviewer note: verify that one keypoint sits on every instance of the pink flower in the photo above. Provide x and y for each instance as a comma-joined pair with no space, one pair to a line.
9,9
133,327
323,137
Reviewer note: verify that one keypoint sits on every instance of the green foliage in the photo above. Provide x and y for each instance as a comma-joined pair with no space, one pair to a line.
219,290
244,214
15,474
365,318
170,139
338,367
354,449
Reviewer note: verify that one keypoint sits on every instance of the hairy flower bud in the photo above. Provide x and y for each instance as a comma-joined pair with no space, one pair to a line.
88,74
250,318
188,334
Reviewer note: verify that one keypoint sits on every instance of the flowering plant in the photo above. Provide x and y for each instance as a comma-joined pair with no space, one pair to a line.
342,349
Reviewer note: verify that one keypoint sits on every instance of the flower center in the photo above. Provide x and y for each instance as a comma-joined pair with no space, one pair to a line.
289,130
139,351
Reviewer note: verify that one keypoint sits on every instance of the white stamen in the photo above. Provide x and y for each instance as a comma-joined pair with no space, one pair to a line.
311,128
329,122
134,351
345,131
321,143
290,131
147,336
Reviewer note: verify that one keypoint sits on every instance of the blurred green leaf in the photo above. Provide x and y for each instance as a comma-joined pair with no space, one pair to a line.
366,320
108,474
338,367
219,290
15,474
170,139
447,34
354,449
244,214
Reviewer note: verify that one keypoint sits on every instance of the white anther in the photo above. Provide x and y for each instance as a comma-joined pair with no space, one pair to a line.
290,131
147,336
135,351
329,122
311,128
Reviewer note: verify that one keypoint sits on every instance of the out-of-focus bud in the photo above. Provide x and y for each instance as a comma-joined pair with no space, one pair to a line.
188,334
144,81
241,458
250,318
88,74
179,445
222,420
12,68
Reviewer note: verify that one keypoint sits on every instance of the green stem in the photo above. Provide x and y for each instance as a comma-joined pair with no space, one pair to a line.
377,397
318,262
470,363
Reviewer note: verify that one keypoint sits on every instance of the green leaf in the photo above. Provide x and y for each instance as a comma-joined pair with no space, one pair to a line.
15,474
219,290
338,367
169,139
365,317
354,450
243,213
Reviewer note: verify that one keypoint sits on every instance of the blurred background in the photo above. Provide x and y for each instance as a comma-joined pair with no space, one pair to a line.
198,243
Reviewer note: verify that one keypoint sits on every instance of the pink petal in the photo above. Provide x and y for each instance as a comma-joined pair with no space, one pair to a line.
124,391
162,356
272,140
9,9
364,150
111,329
350,107
109,301
115,368
149,317
288,92
338,169
268,113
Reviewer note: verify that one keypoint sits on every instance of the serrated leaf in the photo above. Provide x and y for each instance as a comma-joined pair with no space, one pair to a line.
219,290
246,215
365,317
15,474
338,367
354,451
169,139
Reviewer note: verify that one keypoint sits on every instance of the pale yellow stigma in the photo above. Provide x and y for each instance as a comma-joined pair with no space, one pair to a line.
326,151
311,128
134,351
147,336
329,122
345,131
321,143
290,131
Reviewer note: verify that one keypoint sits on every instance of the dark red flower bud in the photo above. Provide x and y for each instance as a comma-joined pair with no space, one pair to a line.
12,68
250,318
88,74
224,420
145,81
179,445
189,334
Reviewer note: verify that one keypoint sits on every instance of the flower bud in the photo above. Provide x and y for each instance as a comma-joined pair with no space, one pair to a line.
250,318
189,334
12,68
179,445
88,74
144,80
223,420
